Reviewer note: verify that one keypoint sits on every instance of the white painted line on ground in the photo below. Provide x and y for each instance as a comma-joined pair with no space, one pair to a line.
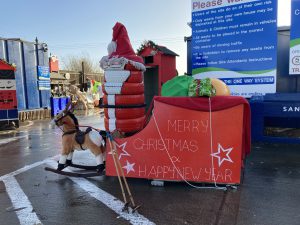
25,168
20,202
8,140
30,123
106,198
7,132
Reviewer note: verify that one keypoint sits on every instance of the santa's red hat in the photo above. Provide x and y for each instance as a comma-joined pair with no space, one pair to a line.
121,46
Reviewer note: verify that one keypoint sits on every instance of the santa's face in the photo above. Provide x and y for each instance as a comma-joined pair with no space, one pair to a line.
7,85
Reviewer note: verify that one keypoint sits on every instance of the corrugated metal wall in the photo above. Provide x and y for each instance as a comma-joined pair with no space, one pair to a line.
30,71
2,49
27,56
45,95
13,55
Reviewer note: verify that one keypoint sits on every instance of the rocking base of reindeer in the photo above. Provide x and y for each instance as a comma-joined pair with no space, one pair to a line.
75,174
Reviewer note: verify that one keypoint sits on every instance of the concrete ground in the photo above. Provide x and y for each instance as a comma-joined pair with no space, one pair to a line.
269,194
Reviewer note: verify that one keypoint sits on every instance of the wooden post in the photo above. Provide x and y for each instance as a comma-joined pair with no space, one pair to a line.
82,76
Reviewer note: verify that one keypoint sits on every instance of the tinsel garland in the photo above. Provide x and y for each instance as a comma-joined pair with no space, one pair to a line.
145,44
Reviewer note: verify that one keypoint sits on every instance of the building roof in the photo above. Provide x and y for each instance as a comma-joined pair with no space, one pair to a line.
165,50
152,45
5,65
20,40
57,76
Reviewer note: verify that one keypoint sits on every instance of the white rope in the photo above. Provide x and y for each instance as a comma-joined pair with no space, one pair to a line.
211,143
177,170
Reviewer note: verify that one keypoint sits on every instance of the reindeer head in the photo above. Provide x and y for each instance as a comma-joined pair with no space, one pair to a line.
60,118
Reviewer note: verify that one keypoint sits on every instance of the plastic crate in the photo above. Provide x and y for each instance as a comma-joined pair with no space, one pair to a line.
55,106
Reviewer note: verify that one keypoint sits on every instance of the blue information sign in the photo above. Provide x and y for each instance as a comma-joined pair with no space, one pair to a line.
295,39
236,41
44,85
43,73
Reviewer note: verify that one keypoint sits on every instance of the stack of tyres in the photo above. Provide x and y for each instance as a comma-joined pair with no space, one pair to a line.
124,100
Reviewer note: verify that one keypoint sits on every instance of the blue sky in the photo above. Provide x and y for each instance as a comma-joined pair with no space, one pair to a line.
73,27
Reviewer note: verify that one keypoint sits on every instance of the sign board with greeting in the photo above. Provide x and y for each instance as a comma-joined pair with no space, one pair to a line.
186,144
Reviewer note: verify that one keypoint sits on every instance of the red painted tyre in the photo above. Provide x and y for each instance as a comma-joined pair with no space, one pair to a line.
124,113
125,89
130,67
123,99
135,77
130,125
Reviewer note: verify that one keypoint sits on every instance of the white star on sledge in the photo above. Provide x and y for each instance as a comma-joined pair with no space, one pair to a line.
219,156
123,151
129,167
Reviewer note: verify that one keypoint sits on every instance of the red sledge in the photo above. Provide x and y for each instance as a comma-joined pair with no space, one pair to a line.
189,139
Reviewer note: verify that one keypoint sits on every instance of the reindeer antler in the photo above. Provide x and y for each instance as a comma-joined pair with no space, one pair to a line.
73,106
67,106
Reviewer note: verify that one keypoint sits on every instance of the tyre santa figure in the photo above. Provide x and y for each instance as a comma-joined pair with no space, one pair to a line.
123,101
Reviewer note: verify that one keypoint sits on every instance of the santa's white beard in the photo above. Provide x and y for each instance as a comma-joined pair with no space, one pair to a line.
112,47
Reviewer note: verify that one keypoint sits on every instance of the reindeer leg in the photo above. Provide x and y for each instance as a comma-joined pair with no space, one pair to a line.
62,162
104,156
100,163
69,158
